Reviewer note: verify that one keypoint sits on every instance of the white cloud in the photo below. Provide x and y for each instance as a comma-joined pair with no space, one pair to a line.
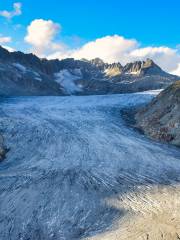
166,57
5,39
177,70
119,49
41,34
15,12
110,48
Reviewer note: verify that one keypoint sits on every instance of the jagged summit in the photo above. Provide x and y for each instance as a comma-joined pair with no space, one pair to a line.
142,67
26,74
97,62
135,68
30,59
149,62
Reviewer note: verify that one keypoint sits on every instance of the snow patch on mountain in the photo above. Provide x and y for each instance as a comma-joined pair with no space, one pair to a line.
37,76
20,67
133,73
38,79
66,78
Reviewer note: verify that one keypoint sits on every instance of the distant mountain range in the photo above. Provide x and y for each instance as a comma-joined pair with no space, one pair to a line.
26,74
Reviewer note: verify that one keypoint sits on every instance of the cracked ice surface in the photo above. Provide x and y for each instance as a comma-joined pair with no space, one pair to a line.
76,171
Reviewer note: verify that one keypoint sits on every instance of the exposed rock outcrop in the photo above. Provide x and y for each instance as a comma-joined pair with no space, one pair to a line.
161,118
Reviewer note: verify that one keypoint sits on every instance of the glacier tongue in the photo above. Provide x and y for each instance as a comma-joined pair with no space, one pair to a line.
76,171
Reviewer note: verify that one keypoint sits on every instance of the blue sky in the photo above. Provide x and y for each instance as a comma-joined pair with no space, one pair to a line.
150,23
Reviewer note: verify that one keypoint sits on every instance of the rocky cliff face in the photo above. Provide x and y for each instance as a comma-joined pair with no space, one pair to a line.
26,74
161,118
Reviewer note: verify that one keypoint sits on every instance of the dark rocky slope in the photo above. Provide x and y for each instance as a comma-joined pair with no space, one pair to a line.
161,118
3,149
26,74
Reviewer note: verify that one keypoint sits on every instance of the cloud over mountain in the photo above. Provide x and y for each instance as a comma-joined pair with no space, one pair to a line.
41,34
4,39
119,49
166,57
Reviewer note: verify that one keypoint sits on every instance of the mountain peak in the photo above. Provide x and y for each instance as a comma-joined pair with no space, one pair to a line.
97,61
149,63
26,74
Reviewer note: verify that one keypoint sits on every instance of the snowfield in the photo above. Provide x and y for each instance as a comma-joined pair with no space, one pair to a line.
76,171
67,78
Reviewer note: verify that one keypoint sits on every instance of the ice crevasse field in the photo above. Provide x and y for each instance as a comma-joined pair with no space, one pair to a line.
75,170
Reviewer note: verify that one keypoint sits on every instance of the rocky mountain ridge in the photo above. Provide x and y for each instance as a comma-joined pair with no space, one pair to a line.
26,74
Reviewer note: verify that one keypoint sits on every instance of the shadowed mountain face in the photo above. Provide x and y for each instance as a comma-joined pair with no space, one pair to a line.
26,74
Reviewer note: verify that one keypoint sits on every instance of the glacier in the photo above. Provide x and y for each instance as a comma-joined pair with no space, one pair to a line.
75,170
